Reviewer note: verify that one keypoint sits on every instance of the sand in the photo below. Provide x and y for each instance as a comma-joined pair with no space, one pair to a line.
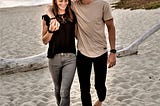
134,81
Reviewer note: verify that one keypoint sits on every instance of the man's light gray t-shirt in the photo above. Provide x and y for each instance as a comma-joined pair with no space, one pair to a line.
91,26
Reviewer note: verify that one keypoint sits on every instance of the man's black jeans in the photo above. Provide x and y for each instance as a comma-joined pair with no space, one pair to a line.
84,65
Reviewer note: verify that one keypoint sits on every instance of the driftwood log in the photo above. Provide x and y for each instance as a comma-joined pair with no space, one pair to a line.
23,64
133,47
40,61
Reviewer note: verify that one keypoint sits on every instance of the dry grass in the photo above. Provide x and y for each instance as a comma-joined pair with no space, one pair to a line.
137,4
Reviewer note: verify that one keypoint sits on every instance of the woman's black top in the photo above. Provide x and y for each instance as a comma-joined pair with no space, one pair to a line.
63,40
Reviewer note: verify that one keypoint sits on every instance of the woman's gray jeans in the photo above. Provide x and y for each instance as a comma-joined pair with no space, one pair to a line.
62,68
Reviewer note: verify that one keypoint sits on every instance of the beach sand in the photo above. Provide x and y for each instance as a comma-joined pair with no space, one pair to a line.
134,81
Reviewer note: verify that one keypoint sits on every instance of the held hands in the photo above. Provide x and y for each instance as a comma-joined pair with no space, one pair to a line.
111,60
54,25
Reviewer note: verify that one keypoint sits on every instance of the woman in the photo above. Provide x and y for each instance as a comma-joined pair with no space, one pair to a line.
61,51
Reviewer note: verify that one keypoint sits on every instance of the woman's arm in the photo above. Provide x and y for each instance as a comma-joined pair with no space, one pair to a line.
46,36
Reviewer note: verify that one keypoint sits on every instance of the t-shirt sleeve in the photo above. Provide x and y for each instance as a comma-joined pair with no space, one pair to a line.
46,18
107,11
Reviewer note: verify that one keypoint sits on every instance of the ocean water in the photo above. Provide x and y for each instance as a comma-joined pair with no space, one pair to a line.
16,3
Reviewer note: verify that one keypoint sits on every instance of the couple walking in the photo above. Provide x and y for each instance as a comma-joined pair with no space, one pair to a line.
84,20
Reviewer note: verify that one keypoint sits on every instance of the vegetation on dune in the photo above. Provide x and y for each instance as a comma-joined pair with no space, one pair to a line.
137,4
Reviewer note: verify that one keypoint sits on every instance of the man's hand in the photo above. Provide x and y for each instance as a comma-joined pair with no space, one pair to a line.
111,60
54,25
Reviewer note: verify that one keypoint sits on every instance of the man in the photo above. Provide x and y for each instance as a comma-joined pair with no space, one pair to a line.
92,16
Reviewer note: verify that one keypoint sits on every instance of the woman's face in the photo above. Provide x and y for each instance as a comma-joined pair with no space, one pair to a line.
62,4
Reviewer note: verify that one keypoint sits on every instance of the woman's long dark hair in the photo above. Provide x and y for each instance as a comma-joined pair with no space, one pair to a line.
68,11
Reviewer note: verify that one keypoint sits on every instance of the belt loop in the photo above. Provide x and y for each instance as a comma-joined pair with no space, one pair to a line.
62,54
